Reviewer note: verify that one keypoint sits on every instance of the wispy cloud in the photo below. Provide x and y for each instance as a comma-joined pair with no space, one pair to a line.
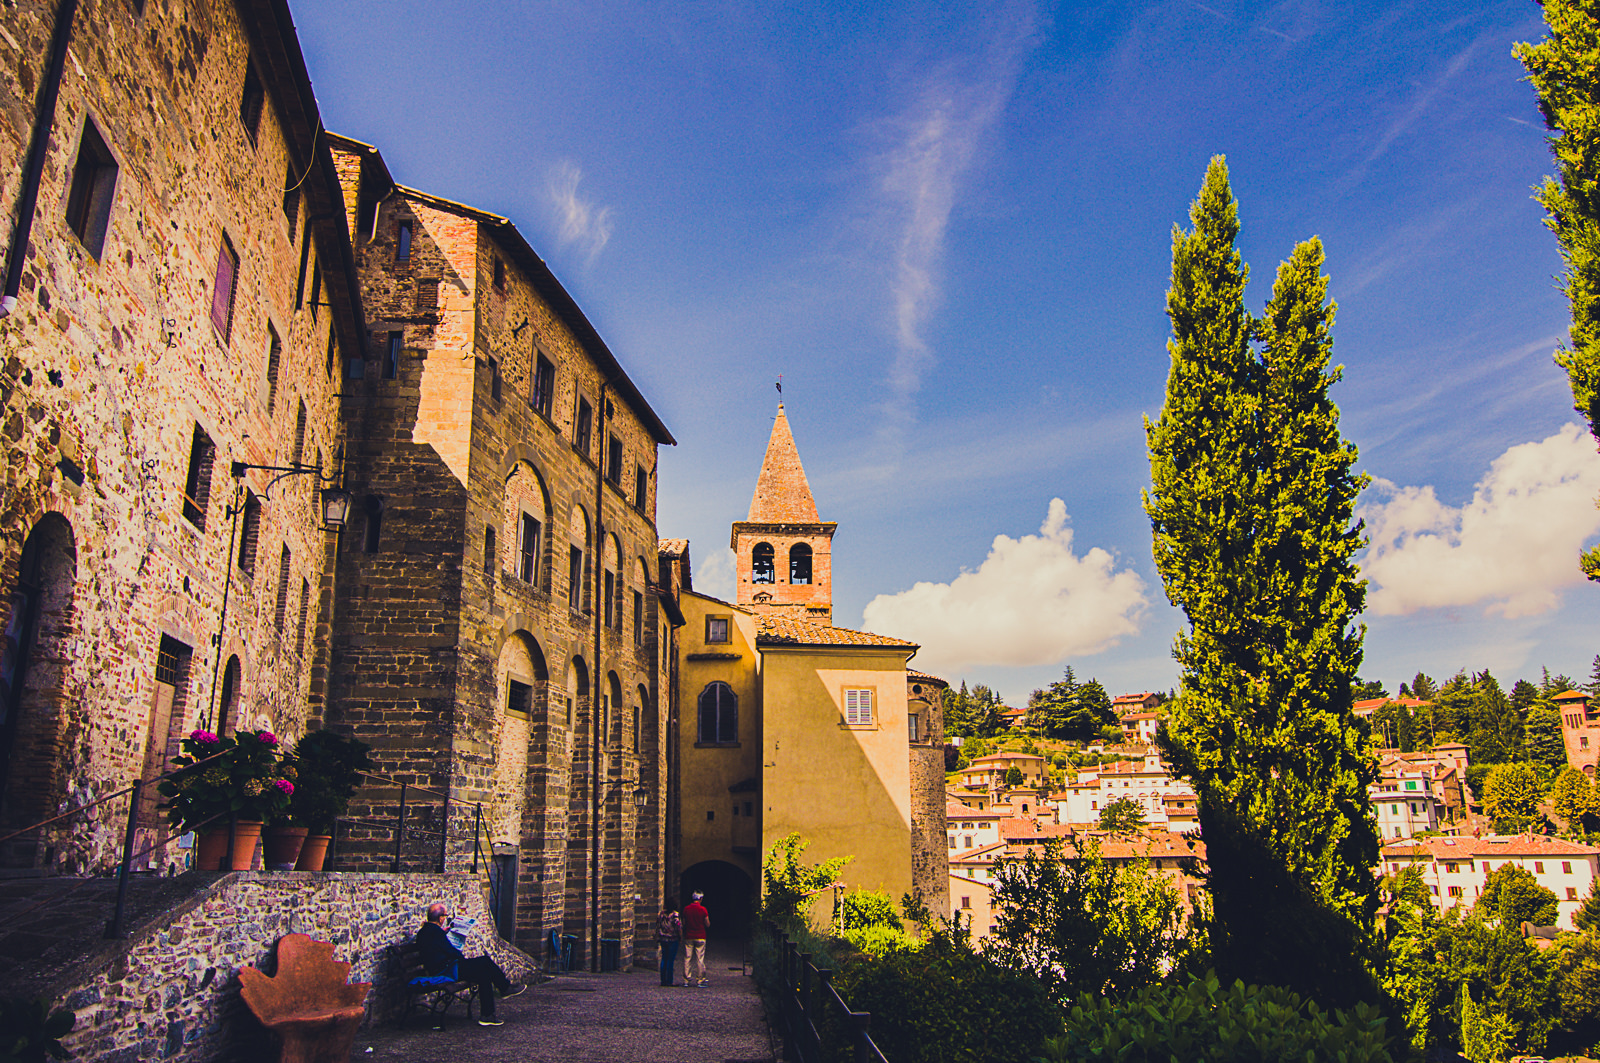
1418,105
934,144
1033,601
580,223
1512,549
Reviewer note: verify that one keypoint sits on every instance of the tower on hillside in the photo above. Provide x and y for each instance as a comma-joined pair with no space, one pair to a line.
785,564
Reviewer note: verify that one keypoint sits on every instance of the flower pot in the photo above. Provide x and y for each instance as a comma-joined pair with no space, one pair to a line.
246,833
313,852
209,849
280,847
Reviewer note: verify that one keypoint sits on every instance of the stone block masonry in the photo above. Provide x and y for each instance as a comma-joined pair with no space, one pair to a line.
172,992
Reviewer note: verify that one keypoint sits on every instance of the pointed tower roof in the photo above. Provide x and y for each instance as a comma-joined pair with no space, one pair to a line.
782,494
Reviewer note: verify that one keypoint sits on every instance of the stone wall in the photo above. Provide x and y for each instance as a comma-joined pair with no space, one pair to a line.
173,992
110,364
930,851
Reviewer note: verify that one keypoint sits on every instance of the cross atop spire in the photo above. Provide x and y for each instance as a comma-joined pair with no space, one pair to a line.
782,494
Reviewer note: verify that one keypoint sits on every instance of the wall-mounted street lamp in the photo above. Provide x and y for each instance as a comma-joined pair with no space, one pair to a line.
335,499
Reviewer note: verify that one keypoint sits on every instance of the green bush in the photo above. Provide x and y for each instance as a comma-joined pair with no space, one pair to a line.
1203,1021
945,1003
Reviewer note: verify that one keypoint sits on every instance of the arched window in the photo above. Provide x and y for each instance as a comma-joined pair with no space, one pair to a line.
228,702
719,713
799,563
761,566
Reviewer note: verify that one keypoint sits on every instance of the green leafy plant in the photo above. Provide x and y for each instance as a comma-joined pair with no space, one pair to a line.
248,781
1122,816
792,884
30,1032
1485,1033
869,922
1202,1020
329,768
1512,895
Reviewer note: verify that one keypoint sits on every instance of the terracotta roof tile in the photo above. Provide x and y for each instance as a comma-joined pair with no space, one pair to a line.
672,547
779,630
1504,845
782,494
912,673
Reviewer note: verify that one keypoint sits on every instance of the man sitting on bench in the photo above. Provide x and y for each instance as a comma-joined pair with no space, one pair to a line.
440,956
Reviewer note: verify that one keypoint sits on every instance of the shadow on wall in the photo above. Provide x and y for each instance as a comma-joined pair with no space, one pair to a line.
730,897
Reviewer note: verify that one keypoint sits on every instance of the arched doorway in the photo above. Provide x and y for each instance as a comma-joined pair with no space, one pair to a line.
33,673
730,896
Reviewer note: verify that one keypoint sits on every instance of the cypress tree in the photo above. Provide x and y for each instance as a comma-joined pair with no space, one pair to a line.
1565,70
1251,508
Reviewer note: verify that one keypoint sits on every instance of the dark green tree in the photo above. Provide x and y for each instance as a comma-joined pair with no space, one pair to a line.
1510,796
1495,730
1122,816
1542,736
1252,511
1587,917
1512,895
1524,696
1364,690
1423,687
1563,68
1593,685
1071,710
1014,777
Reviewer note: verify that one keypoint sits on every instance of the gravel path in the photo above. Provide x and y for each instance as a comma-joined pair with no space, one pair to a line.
627,1017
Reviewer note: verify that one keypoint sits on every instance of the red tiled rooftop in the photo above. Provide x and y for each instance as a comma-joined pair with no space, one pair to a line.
778,630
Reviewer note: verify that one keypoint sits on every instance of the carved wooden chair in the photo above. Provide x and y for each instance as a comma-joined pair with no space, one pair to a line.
309,1003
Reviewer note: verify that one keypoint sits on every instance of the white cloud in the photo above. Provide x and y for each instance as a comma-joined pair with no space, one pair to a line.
579,222
1032,602
714,574
1513,548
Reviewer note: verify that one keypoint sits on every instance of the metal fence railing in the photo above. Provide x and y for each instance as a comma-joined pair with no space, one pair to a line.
808,1005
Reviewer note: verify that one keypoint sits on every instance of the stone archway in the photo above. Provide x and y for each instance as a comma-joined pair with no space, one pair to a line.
33,678
730,896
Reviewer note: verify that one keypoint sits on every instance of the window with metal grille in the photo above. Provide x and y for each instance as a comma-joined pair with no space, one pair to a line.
249,533
719,714
858,707
391,356
274,354
614,460
172,661
528,550
544,386
299,435
197,486
519,697
283,591
575,577
581,427
222,290
488,550
251,102
94,185
305,610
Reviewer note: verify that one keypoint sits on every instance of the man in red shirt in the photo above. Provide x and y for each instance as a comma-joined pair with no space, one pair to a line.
696,921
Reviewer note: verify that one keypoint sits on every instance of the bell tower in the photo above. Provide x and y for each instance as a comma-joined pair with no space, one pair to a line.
784,550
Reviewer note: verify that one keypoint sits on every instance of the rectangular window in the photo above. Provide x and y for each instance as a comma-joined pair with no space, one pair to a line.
641,487
305,259
1566,867
373,532
638,618
1538,867
614,461
291,211
519,697
1451,868
609,608
952,841
575,577
274,355
911,726
299,452
94,184
716,629
488,550
638,737
333,353
496,382
305,609
1455,891
316,286
427,298
251,101
222,290
544,385
1572,893
499,274
249,533
402,246
528,550
283,591
197,485
858,707
391,356
966,902
581,427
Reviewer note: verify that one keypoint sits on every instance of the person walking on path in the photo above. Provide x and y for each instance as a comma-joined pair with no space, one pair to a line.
669,928
696,921
440,956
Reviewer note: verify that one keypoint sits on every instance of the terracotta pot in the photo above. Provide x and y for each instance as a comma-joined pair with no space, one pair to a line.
280,847
209,849
246,834
313,852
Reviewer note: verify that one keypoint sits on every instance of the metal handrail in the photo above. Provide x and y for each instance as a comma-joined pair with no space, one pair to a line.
807,995
108,797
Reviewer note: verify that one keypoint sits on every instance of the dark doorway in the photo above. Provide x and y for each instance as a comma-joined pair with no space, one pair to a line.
730,897
33,667
168,715
503,894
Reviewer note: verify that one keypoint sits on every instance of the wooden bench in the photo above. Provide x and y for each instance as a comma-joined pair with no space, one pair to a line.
431,993
310,1002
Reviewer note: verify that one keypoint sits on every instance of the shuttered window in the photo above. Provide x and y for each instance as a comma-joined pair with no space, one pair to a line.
222,291
858,707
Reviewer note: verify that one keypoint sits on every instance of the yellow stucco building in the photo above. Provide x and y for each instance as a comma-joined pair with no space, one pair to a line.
789,724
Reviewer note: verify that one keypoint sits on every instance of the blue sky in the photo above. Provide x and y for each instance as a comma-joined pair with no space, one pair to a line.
948,227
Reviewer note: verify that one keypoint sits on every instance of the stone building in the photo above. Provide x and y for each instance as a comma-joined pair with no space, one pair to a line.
496,632
1580,730
179,294
789,724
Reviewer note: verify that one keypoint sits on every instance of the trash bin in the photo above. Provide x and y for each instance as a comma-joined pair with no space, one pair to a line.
568,943
610,953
